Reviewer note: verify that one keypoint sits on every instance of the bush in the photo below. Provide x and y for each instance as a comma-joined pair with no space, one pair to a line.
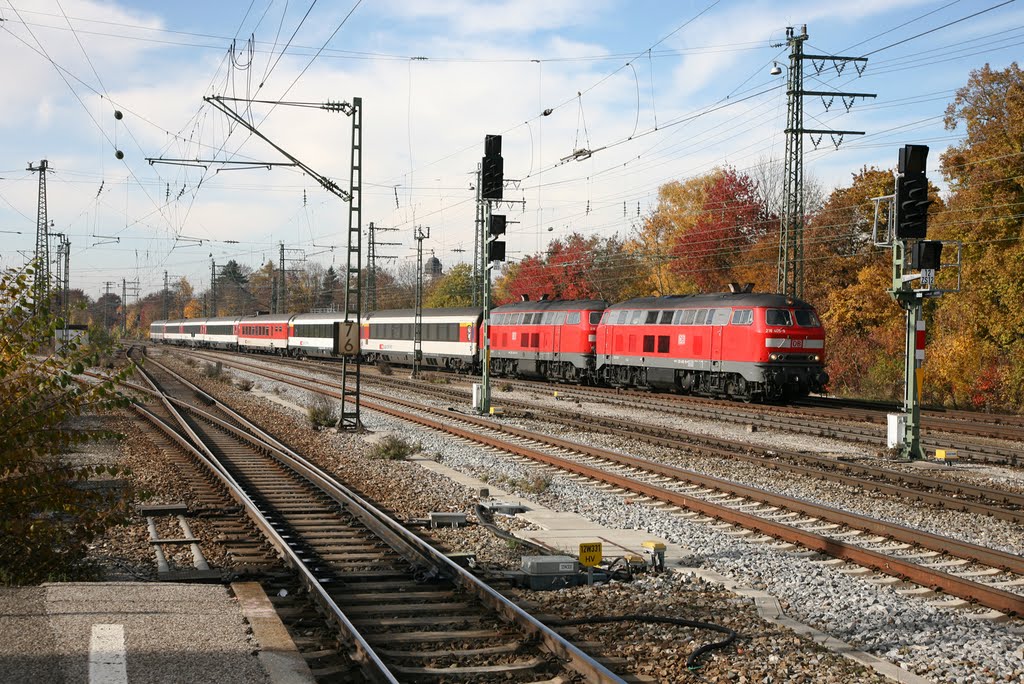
244,384
506,387
47,518
384,368
393,448
321,413
213,371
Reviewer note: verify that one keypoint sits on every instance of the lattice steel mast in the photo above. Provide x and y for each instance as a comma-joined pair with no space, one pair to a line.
350,367
41,282
791,234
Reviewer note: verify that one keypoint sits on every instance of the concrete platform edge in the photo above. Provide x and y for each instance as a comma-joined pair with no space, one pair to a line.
278,654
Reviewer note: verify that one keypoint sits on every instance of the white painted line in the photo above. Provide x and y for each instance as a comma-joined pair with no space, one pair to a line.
108,663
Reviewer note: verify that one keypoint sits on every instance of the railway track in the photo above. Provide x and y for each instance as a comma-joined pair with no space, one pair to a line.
967,571
936,491
835,424
405,610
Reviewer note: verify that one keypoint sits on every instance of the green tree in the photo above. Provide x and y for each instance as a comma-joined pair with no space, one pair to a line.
46,516
454,288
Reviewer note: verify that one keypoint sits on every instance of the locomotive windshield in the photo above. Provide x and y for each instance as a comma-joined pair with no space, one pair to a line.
807,318
778,317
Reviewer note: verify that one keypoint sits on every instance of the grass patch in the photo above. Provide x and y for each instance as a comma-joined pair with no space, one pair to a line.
384,368
321,413
393,448
505,387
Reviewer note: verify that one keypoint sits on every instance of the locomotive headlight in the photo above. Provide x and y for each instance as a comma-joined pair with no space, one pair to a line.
816,357
773,357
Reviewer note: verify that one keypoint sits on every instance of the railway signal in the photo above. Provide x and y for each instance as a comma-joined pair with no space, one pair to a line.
493,169
496,247
908,220
912,193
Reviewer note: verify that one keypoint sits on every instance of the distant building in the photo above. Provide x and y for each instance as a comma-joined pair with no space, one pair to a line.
432,269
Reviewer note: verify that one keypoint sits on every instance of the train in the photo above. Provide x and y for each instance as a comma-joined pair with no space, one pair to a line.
741,345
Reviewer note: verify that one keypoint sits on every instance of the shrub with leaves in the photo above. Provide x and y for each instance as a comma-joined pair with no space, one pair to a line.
213,371
321,413
393,448
46,516
244,384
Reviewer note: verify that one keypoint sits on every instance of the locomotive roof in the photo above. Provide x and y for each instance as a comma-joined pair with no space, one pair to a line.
266,318
427,313
553,305
712,299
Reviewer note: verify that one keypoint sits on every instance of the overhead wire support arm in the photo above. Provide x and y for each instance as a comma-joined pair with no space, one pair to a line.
329,185
206,163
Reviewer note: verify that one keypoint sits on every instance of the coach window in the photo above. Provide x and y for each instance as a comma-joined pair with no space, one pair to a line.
666,317
807,318
742,317
777,317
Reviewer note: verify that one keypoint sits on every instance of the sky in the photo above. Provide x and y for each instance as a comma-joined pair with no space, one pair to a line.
655,91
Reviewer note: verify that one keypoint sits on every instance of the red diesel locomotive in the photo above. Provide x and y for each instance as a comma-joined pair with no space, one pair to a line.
742,345
550,339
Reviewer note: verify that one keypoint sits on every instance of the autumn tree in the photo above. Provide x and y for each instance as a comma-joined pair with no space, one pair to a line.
576,267
679,206
454,288
980,331
46,517
730,216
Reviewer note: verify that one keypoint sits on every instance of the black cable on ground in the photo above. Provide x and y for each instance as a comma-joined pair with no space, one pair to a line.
690,660
487,520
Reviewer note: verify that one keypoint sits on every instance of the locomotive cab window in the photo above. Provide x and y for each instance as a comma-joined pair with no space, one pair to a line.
666,317
634,317
595,317
651,317
699,318
807,318
574,318
778,317
718,316
742,317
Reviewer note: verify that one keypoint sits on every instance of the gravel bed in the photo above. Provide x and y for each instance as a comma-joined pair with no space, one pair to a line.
763,652
945,645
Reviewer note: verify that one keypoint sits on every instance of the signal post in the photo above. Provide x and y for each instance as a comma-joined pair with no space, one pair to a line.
492,228
905,230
